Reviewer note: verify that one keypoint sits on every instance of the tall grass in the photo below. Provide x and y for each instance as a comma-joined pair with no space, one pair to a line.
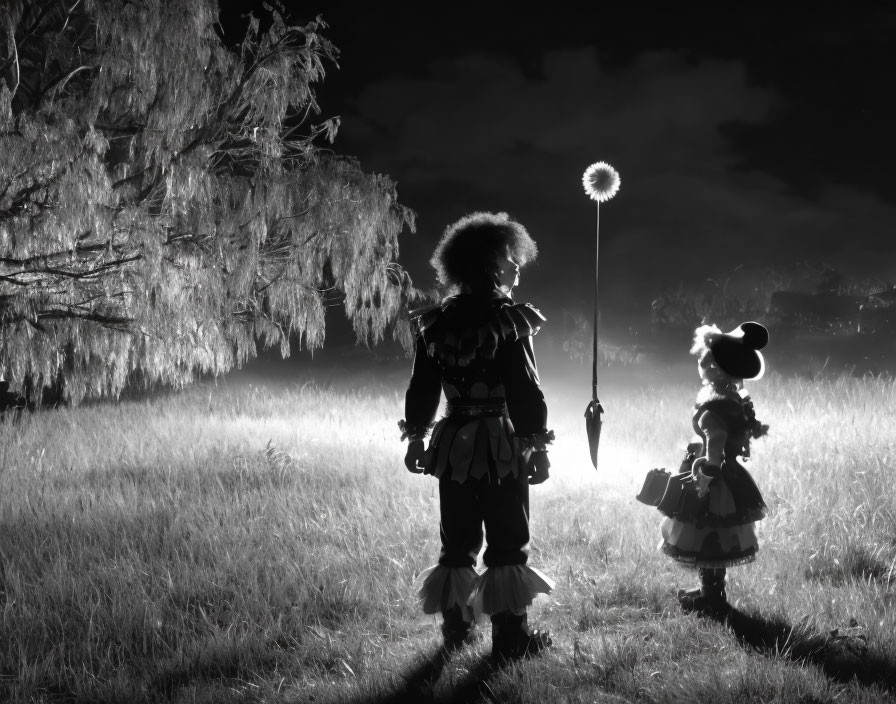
257,541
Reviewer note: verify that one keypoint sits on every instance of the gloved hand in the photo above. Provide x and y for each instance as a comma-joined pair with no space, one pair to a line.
703,473
538,467
413,458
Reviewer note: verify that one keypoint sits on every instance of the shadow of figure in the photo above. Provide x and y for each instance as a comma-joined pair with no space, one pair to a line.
841,654
474,686
420,682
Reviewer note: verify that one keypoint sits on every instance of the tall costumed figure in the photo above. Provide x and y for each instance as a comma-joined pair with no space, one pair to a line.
601,182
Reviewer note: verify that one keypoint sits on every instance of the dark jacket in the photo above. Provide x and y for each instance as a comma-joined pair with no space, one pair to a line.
477,349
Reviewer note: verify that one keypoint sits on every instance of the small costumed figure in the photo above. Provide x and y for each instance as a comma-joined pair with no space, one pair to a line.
491,444
711,505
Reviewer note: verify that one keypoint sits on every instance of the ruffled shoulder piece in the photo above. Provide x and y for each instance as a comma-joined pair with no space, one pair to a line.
454,339
426,317
519,320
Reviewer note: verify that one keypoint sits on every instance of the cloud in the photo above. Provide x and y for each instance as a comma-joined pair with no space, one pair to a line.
477,134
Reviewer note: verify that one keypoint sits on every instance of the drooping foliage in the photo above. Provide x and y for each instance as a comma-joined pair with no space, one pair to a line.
165,201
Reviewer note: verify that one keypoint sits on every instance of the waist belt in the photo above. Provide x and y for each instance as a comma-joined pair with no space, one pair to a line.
476,408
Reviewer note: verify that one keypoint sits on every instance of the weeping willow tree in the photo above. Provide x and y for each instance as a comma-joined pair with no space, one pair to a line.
165,204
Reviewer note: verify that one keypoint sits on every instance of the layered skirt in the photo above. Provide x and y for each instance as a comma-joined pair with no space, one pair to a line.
472,447
715,530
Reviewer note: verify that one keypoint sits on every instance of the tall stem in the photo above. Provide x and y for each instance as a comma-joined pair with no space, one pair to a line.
594,351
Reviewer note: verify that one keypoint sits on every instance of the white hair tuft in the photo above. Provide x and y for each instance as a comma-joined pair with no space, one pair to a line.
704,336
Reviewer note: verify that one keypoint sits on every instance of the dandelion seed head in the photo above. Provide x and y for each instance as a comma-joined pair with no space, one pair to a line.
601,181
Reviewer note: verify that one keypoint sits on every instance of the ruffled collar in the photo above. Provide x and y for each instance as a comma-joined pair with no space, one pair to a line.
467,326
710,392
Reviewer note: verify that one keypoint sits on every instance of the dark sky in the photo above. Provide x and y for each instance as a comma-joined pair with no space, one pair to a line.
743,136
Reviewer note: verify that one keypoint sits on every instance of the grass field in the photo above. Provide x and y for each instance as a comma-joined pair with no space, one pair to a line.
257,540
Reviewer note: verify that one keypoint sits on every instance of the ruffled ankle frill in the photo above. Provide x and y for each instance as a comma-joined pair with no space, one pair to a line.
441,587
508,588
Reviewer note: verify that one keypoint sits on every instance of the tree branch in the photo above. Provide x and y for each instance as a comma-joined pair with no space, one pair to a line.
89,274
68,15
15,52
118,322
112,321
54,256
65,80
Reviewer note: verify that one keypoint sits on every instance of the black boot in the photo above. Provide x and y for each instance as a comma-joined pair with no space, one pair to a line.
455,631
710,598
512,638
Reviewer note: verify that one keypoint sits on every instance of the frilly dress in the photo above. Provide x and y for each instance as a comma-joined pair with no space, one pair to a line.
716,530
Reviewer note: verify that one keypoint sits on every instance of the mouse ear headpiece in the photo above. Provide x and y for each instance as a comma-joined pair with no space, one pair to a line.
737,352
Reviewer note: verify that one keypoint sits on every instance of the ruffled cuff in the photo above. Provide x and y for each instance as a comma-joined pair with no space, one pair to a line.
508,588
441,587
413,432
536,442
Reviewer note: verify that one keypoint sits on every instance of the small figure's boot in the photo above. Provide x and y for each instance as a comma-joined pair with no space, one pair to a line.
455,630
512,638
710,598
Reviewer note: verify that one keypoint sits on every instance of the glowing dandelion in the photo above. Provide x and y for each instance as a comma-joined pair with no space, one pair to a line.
601,181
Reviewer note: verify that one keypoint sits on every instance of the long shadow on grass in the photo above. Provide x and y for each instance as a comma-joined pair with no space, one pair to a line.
841,656
419,684
420,680
474,687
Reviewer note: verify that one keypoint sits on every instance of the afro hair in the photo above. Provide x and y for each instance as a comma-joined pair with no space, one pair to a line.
470,247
